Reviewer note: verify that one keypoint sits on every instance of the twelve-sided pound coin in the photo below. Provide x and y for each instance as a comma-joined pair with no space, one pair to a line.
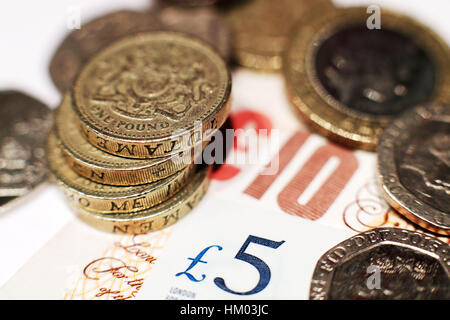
349,82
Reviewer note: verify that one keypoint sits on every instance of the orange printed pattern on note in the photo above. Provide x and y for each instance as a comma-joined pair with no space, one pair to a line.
120,271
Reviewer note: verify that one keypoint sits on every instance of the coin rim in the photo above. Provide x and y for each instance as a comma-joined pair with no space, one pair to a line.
399,197
198,187
102,199
265,60
322,279
70,43
143,38
317,107
118,172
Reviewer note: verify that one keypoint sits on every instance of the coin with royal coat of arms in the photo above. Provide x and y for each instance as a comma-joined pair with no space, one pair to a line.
105,168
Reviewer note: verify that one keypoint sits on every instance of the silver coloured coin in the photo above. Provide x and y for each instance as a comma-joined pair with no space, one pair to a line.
414,166
384,263
24,126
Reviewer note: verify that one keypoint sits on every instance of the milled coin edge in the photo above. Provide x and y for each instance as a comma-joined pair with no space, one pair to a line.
324,270
323,117
399,197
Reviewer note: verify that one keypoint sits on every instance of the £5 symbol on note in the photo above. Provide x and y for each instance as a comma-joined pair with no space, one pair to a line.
262,268
197,259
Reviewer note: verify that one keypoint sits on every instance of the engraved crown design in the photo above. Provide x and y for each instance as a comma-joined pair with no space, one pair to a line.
144,83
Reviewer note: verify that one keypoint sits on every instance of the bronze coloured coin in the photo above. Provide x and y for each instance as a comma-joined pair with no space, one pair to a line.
260,29
414,166
96,197
102,167
152,95
385,263
204,22
349,81
155,218
24,126
80,45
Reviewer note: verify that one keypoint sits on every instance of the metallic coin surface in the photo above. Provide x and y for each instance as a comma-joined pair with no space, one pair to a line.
414,166
191,3
204,22
102,167
260,29
385,263
24,126
96,197
81,44
152,95
155,218
379,73
354,80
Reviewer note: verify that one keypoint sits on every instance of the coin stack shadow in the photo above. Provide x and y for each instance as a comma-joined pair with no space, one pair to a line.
114,182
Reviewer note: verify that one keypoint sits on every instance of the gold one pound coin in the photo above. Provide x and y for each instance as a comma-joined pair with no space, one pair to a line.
152,95
158,217
95,197
102,167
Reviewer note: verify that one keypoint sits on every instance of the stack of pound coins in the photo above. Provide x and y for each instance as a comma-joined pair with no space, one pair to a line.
128,140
